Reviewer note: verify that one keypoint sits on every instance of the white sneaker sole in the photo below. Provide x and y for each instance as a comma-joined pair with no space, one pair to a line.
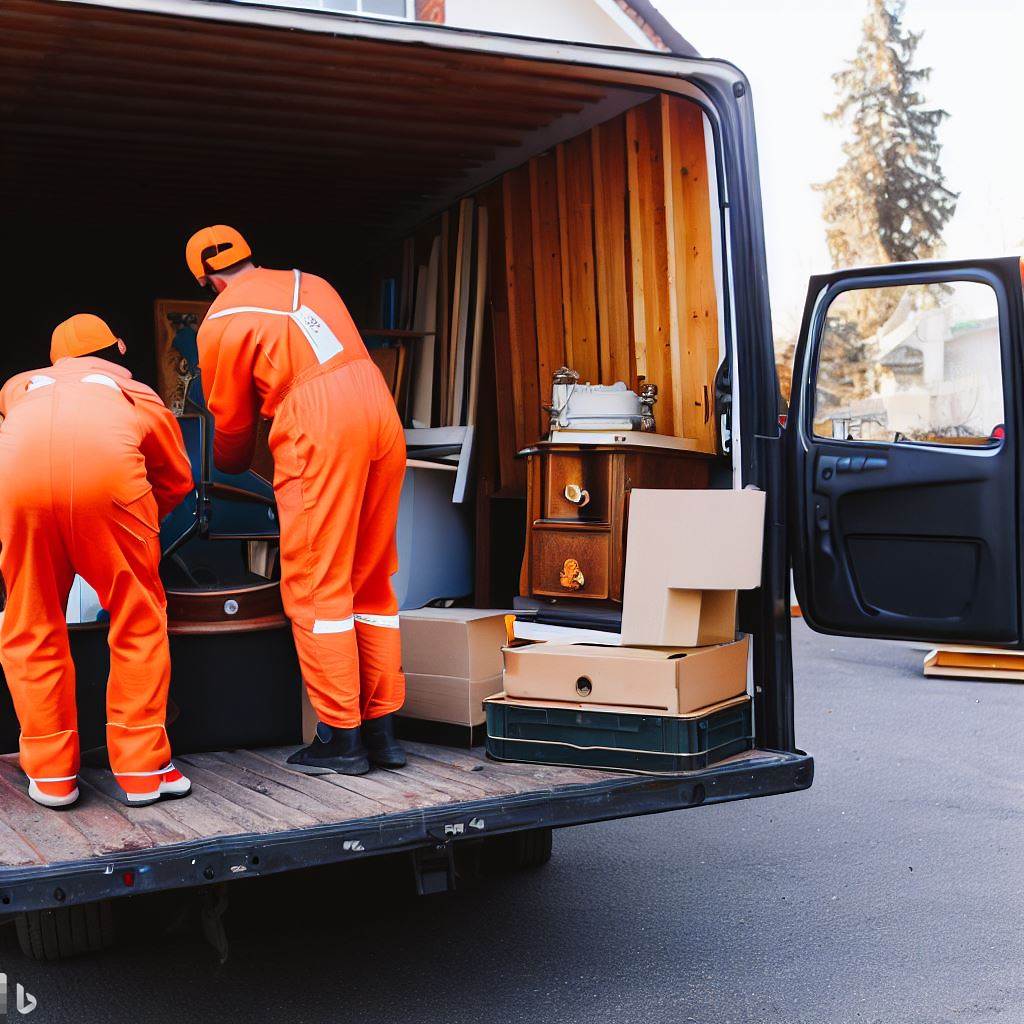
51,801
180,787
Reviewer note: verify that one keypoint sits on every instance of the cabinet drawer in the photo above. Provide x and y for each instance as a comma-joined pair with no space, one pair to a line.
552,553
577,486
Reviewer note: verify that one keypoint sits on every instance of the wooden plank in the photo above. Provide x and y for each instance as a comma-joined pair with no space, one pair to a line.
651,286
511,471
483,783
426,320
246,791
447,789
547,275
611,248
538,777
50,833
108,825
522,330
576,237
393,795
440,389
162,829
344,803
695,339
479,305
261,780
460,313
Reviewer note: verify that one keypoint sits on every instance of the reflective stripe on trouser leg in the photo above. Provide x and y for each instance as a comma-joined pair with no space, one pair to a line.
330,669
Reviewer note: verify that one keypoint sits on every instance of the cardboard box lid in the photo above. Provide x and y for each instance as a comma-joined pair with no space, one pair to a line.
694,540
464,643
557,649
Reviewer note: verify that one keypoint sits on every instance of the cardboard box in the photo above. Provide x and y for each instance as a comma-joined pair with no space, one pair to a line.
463,643
687,553
452,661
667,680
448,698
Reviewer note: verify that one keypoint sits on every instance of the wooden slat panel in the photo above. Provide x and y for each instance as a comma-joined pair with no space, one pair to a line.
694,293
238,792
52,835
652,302
522,330
344,803
98,786
611,244
576,235
476,760
547,276
512,471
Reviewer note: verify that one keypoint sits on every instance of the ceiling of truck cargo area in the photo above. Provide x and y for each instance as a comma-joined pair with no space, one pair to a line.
125,115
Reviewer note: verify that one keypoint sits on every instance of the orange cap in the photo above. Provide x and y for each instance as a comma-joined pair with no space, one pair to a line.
79,335
215,248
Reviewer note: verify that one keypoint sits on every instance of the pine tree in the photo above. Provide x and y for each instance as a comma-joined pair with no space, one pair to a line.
888,202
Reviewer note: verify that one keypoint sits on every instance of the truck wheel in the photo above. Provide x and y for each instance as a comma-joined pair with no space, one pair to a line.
65,931
517,851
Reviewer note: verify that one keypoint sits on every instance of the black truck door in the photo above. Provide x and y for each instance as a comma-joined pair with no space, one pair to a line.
902,450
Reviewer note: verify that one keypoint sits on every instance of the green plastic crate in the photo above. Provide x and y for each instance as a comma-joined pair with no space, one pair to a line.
582,738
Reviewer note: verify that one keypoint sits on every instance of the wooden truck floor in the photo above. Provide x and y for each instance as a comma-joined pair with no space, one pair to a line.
249,814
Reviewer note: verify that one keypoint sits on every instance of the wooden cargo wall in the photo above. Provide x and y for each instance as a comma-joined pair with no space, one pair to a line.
610,268
600,258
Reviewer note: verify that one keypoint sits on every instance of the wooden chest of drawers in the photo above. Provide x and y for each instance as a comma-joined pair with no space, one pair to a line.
577,508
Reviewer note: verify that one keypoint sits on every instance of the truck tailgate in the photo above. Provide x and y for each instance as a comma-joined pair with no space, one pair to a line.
250,815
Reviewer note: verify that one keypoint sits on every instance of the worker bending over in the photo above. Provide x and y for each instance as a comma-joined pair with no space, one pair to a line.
281,344
90,461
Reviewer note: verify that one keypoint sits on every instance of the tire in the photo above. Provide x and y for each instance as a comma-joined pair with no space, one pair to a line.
517,851
65,931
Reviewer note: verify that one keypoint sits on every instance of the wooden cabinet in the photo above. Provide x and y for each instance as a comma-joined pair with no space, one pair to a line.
577,508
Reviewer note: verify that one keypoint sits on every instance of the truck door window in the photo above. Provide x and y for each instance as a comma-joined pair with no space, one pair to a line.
917,363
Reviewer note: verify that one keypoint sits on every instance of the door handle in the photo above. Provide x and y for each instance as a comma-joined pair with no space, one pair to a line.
831,465
823,529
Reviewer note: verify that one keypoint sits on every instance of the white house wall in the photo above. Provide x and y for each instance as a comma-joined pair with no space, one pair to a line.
578,20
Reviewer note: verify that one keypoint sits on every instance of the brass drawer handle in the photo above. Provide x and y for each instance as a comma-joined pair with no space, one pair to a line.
571,576
577,495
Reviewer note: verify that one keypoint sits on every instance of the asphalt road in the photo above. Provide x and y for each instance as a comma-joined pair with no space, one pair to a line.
891,892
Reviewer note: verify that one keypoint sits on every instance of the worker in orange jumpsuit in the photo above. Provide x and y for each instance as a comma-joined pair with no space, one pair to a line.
90,460
280,344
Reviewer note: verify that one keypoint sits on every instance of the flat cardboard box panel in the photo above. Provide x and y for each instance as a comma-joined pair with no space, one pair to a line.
674,681
687,553
463,643
447,698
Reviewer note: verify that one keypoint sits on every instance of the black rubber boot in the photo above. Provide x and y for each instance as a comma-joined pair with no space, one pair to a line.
340,751
383,749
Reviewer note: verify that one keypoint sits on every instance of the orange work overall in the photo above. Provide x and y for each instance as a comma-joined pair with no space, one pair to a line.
283,343
90,459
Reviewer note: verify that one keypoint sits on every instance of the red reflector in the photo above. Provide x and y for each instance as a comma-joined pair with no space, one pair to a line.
782,420
999,433
128,878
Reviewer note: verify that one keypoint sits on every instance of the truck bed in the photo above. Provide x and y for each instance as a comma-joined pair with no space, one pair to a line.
249,814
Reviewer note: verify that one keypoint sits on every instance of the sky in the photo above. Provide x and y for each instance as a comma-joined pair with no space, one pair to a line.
789,49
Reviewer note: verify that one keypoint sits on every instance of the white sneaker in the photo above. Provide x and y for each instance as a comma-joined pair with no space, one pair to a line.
53,794
172,784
